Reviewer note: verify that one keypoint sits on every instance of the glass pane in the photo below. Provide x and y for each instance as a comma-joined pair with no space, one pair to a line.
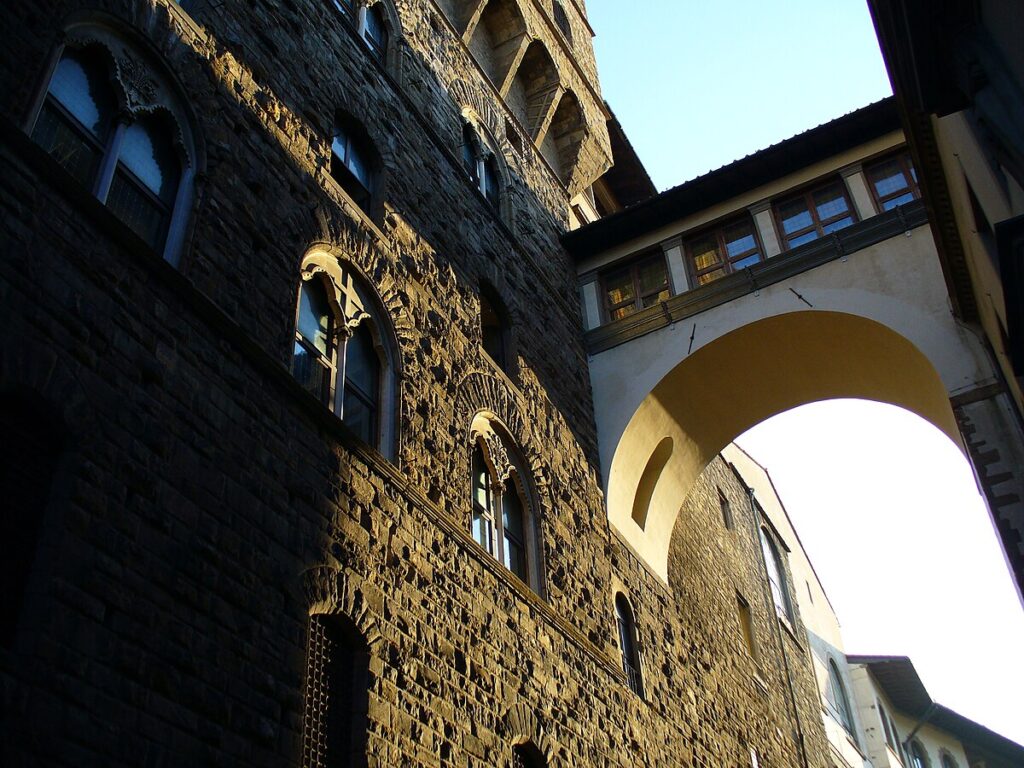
482,530
906,197
356,162
376,32
621,312
314,320
704,253
888,178
491,180
795,216
652,275
801,239
147,152
515,558
740,243
81,84
346,7
481,480
360,415
654,298
837,225
512,512
619,287
468,154
68,146
710,276
308,371
137,209
362,364
830,202
749,261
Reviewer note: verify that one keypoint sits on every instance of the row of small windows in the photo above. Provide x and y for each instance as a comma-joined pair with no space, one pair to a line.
736,244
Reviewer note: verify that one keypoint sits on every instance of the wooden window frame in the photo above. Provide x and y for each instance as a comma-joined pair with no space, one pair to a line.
817,225
633,267
906,166
717,231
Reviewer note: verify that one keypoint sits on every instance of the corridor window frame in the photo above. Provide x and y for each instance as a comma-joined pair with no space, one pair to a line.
638,298
892,198
726,263
813,198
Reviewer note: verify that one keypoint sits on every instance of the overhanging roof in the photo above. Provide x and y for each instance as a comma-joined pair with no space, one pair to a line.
900,681
762,167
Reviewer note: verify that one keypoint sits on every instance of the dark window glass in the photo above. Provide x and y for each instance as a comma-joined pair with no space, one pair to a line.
146,180
636,286
726,508
493,332
75,122
29,449
562,20
482,511
362,384
512,528
350,167
347,8
917,756
490,180
728,248
746,625
469,152
376,33
527,756
776,576
627,644
837,697
337,694
948,762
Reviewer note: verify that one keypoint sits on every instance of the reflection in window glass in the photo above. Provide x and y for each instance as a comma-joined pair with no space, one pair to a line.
80,85
893,182
362,384
722,251
641,284
815,213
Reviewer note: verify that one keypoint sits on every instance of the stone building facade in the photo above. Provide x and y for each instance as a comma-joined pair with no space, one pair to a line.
223,547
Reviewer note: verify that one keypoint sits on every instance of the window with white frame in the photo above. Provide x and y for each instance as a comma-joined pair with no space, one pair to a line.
113,120
502,516
343,351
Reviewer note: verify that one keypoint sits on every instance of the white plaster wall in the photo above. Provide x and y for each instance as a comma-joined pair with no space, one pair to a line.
897,283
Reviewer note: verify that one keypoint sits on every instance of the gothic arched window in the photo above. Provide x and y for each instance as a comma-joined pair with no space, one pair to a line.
528,755
344,352
918,755
629,645
118,126
337,693
776,577
502,522
837,697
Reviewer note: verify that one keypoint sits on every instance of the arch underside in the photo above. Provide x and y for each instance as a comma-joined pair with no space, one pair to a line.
743,378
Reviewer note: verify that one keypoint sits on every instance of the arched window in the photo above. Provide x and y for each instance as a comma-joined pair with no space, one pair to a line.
343,351
368,20
948,761
354,163
776,577
481,165
495,329
628,644
837,697
918,755
502,522
30,444
121,131
527,755
337,693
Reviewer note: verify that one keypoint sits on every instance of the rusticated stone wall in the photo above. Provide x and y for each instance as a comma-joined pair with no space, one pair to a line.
205,504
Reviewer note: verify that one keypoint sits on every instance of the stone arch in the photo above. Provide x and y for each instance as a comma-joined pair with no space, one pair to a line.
393,23
329,590
746,376
565,136
534,89
480,392
522,725
495,36
477,107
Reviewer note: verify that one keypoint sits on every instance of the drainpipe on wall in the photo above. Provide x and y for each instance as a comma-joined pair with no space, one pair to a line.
924,719
756,517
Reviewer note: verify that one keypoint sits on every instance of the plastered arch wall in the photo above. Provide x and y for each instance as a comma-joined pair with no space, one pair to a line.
744,377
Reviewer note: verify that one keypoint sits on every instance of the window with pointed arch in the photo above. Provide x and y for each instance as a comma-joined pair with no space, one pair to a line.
481,164
837,699
117,124
776,576
503,522
918,755
370,23
948,761
344,351
629,645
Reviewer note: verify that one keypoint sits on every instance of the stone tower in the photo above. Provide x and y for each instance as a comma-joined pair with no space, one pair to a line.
299,455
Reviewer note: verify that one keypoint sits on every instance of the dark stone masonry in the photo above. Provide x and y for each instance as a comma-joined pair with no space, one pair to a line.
205,564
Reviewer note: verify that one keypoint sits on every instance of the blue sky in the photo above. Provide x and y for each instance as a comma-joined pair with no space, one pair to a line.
895,527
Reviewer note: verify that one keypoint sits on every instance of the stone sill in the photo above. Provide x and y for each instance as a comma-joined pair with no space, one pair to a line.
788,264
